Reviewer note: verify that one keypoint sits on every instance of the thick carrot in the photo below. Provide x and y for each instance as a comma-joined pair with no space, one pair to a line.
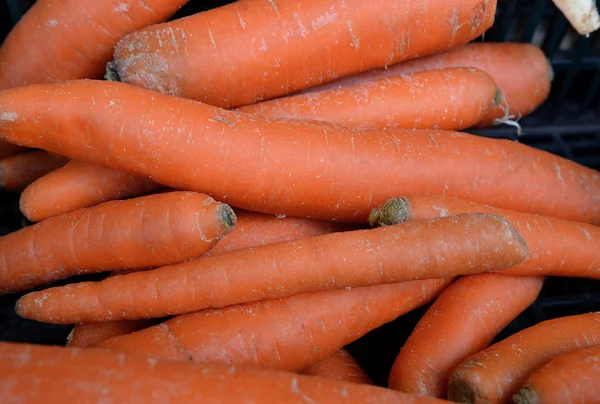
96,375
521,72
17,172
8,149
340,365
138,233
269,48
286,334
558,247
59,40
297,168
496,373
572,378
440,248
78,185
454,98
462,321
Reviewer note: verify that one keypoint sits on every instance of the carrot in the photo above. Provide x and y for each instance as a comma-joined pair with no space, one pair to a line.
462,321
286,334
496,373
454,98
18,171
558,247
340,365
58,40
475,243
78,185
138,233
297,168
521,72
97,375
572,377
8,149
268,48
84,335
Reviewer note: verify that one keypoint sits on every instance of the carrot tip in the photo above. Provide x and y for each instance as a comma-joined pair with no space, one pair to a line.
112,73
226,216
525,396
394,211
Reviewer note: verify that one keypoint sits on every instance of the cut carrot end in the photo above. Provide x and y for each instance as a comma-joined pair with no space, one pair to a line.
525,396
226,216
112,73
392,212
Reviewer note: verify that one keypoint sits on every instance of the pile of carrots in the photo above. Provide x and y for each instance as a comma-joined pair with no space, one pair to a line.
268,181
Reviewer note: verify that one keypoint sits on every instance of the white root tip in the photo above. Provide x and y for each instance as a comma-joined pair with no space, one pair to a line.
581,14
507,119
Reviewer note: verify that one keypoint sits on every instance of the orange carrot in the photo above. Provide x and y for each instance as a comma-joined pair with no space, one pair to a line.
340,365
558,247
437,99
138,233
572,378
286,334
521,72
462,321
59,40
18,171
496,373
84,335
271,48
8,149
78,185
475,243
297,168
96,375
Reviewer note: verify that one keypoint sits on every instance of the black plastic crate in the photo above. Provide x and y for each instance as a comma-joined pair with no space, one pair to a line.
568,125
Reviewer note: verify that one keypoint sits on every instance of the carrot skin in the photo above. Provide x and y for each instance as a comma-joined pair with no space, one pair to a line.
469,243
139,233
462,321
286,334
84,335
558,247
322,170
340,365
573,377
78,185
17,172
451,99
268,47
65,375
496,373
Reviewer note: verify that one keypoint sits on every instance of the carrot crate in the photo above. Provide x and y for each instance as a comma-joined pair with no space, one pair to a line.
567,125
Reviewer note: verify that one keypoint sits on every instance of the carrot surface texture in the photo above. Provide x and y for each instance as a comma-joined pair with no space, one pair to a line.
454,98
138,233
558,247
66,375
17,172
462,321
496,373
440,248
267,47
78,185
286,334
572,378
521,72
297,168
340,365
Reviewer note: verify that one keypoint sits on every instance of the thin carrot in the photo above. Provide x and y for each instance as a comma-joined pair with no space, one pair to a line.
268,48
8,149
340,365
469,243
17,172
286,334
138,233
496,373
78,185
454,98
558,247
462,321
84,335
573,377
520,70
96,375
58,40
297,168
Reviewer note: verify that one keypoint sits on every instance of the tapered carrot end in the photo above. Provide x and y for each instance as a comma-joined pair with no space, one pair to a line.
112,73
24,304
513,234
525,396
226,216
394,211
